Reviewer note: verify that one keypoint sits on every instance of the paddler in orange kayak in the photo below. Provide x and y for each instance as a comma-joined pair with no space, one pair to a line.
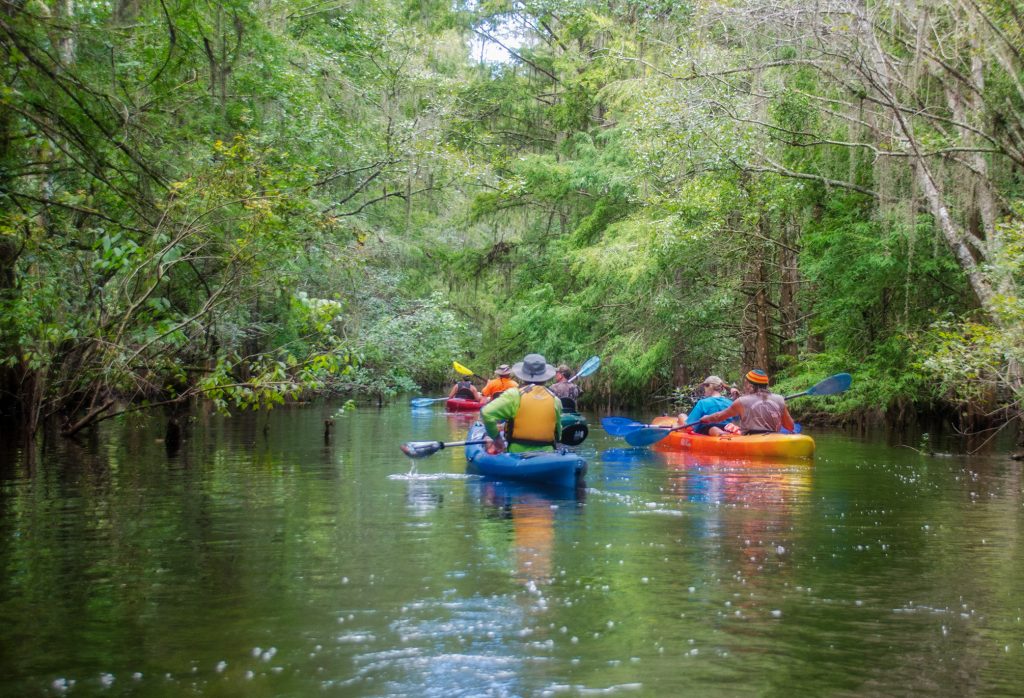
760,410
712,402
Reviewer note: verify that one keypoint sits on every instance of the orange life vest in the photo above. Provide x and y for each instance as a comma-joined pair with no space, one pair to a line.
534,424
496,386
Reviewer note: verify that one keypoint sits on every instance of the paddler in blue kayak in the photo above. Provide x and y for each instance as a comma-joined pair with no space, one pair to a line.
532,413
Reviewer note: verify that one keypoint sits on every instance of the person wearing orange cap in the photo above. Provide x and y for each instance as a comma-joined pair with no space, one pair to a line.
760,410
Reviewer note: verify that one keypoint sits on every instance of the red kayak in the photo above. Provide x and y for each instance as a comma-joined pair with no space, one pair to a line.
458,404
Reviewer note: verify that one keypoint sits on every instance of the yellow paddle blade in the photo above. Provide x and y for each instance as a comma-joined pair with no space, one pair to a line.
462,369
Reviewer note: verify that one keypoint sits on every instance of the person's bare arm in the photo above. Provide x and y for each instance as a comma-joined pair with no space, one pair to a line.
787,420
733,410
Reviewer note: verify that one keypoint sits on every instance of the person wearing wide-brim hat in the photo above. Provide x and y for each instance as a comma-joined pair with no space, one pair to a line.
500,383
713,401
760,410
532,414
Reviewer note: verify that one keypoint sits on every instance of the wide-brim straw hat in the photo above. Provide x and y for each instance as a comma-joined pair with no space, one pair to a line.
503,370
534,368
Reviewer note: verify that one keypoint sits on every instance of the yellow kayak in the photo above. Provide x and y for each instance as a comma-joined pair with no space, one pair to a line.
735,446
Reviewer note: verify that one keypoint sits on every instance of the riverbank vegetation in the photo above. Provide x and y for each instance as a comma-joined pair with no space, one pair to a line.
254,201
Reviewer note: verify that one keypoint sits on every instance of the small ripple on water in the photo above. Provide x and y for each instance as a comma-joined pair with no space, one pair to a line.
426,477
579,690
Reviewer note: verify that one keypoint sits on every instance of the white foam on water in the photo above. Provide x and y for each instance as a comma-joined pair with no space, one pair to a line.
578,690
429,477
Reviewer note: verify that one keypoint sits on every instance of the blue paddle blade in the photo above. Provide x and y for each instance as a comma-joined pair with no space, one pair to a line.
589,366
832,385
646,436
620,426
424,401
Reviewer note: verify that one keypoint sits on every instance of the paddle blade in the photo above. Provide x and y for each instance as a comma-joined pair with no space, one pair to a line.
421,449
425,401
588,367
620,426
832,385
459,368
646,436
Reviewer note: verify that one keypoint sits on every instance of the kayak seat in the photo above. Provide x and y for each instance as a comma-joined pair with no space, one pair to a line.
574,434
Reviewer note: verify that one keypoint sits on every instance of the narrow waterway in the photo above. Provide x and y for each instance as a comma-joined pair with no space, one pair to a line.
262,560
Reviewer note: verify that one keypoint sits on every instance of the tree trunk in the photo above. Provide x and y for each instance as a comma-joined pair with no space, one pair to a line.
788,291
67,43
126,11
756,315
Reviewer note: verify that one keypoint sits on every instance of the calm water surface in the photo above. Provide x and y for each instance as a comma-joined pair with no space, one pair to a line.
260,561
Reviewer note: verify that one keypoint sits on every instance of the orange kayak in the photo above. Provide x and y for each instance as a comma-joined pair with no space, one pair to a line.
750,446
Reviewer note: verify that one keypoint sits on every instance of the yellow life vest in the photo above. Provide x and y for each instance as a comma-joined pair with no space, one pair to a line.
534,424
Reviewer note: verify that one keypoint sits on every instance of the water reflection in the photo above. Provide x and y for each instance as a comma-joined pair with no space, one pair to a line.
260,561
748,482
621,465
422,497
533,514
459,422
750,507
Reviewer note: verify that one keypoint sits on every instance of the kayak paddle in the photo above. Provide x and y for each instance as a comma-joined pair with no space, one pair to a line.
645,436
588,367
424,401
620,426
830,386
422,449
459,368
652,435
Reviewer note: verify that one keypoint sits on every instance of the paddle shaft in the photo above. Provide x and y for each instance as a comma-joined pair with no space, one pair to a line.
427,400
685,426
422,449
452,444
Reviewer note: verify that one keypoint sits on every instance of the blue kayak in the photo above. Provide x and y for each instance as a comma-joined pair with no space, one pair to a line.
560,468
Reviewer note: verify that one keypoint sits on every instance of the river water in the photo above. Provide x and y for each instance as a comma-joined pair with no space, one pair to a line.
260,560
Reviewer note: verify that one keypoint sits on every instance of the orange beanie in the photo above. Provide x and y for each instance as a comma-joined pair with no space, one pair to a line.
757,377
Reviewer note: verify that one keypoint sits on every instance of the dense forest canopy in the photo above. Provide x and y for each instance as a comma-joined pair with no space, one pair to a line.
252,201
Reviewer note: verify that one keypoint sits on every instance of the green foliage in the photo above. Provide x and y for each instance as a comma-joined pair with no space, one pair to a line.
977,363
256,203
203,183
